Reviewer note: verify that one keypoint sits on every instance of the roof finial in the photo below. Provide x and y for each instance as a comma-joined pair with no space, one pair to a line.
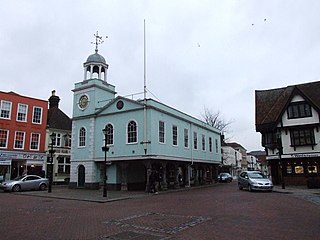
98,41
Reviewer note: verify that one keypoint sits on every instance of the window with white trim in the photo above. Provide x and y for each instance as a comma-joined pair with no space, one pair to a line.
109,135
63,165
174,135
132,132
22,112
35,141
210,144
4,134
195,140
56,139
203,141
217,146
186,137
37,115
19,140
82,137
5,109
161,132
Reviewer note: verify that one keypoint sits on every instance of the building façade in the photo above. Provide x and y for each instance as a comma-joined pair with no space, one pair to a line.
142,136
288,119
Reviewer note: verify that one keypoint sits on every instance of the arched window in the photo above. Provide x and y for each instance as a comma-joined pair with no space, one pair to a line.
132,132
82,137
109,136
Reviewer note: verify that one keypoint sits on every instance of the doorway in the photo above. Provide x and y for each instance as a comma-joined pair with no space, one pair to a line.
81,176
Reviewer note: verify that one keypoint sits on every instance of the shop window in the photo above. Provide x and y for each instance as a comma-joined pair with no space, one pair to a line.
312,169
289,169
298,169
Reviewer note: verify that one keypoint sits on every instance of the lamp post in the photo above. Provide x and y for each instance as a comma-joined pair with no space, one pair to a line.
280,151
50,163
105,149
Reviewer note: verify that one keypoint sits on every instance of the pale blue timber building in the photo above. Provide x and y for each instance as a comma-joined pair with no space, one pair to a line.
143,135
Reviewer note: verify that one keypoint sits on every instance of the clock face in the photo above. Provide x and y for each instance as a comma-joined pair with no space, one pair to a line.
83,101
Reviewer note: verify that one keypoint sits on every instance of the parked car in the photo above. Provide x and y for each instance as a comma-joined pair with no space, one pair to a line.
225,177
26,182
254,180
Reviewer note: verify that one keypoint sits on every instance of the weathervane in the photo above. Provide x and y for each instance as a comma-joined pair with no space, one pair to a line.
98,40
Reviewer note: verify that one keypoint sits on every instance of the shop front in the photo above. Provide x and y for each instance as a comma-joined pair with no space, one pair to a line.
14,164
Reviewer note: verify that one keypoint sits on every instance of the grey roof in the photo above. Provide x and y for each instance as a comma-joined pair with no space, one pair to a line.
58,119
96,58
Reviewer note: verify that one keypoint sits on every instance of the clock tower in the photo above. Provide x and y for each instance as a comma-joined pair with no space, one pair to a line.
94,91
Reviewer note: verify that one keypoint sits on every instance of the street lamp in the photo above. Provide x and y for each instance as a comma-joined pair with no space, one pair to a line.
282,162
50,163
105,149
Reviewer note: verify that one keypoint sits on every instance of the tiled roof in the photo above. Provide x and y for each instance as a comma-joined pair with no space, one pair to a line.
58,119
271,104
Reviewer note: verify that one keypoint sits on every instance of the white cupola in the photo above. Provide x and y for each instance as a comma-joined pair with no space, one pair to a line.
96,67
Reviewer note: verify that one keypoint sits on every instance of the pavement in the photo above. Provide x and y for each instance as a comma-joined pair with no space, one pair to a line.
64,192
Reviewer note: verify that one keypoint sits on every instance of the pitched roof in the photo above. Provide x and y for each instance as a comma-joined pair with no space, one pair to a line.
58,119
271,104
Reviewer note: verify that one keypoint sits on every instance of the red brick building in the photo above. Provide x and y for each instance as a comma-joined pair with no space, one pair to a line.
23,123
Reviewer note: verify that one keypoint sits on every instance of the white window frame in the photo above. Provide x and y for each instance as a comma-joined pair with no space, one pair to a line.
15,139
195,140
136,132
33,115
203,142
217,146
56,139
7,137
175,137
33,149
110,143
85,137
210,144
5,109
186,137
162,132
25,113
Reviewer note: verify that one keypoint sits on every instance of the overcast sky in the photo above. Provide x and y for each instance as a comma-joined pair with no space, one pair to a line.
211,54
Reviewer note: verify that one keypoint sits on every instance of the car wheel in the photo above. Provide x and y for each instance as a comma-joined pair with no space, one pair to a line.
250,188
16,188
42,187
239,186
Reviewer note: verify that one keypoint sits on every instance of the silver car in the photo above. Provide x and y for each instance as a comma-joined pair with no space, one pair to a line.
254,180
26,182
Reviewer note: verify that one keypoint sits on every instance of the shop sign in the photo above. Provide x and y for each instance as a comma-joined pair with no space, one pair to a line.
25,156
5,162
305,155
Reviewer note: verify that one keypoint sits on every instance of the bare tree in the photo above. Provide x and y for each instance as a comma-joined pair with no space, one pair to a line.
215,119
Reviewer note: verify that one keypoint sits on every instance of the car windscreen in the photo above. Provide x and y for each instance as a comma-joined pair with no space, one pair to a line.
256,175
19,178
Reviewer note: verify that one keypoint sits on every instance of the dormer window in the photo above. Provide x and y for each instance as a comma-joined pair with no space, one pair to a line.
299,110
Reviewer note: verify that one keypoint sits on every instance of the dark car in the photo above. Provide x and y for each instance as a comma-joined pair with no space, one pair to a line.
225,177
26,182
